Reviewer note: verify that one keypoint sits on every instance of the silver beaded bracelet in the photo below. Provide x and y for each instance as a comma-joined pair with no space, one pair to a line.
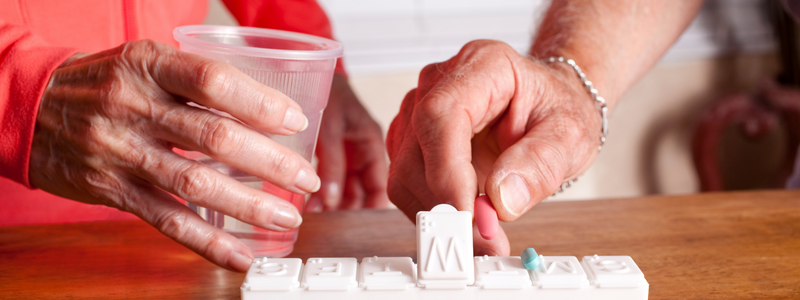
599,102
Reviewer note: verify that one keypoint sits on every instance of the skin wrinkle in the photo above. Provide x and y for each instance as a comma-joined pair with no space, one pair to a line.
487,121
112,188
215,242
145,110
191,178
263,113
220,138
535,116
172,223
455,105
548,178
408,178
283,166
164,126
252,211
460,75
516,98
92,177
558,116
216,83
564,131
574,114
426,114
129,154
128,200
396,137
440,113
496,95
91,129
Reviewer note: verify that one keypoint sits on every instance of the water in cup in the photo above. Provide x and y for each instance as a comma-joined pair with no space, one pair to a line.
298,65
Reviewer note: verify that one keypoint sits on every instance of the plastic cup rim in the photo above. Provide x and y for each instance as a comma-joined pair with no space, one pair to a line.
181,34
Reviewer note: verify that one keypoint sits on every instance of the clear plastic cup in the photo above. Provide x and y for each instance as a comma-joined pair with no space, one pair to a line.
298,65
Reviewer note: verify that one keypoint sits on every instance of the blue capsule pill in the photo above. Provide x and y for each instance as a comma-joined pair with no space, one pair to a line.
530,259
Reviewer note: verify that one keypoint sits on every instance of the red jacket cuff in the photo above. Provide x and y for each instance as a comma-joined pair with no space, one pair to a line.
25,71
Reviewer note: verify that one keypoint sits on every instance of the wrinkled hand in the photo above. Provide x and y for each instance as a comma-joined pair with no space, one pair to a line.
352,157
490,121
108,122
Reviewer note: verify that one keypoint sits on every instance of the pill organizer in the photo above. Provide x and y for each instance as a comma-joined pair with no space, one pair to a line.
446,269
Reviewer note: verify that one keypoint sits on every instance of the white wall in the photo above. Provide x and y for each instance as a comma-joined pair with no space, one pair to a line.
404,35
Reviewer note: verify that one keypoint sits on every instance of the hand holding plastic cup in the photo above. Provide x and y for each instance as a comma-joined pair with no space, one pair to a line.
300,66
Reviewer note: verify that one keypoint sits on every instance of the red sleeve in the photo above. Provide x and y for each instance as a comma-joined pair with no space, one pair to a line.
304,16
26,63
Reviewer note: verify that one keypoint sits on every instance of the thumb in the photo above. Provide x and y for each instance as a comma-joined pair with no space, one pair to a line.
536,165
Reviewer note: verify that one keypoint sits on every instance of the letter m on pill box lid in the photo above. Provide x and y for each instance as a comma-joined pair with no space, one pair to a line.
444,248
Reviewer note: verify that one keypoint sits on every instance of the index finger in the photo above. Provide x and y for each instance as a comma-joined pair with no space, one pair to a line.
466,99
218,85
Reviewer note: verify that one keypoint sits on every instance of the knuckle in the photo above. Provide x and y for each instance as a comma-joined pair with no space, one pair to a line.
256,211
134,157
113,89
120,101
214,242
195,182
569,130
429,70
93,136
487,46
212,77
267,110
134,51
148,45
409,101
438,104
475,44
220,137
285,166
90,130
172,223
106,187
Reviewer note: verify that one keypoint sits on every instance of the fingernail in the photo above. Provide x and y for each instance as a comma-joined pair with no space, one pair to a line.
514,194
307,180
331,198
286,217
240,261
294,120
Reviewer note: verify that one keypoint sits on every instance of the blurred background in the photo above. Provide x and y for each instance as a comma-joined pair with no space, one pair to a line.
729,49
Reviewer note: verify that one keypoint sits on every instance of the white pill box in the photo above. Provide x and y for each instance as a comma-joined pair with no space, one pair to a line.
446,270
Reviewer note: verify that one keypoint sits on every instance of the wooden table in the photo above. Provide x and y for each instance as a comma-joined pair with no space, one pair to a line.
708,246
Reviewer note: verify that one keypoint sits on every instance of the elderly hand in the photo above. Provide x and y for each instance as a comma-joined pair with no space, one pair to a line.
490,121
108,122
352,157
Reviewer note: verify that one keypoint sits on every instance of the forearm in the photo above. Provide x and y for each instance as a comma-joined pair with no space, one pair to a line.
615,42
